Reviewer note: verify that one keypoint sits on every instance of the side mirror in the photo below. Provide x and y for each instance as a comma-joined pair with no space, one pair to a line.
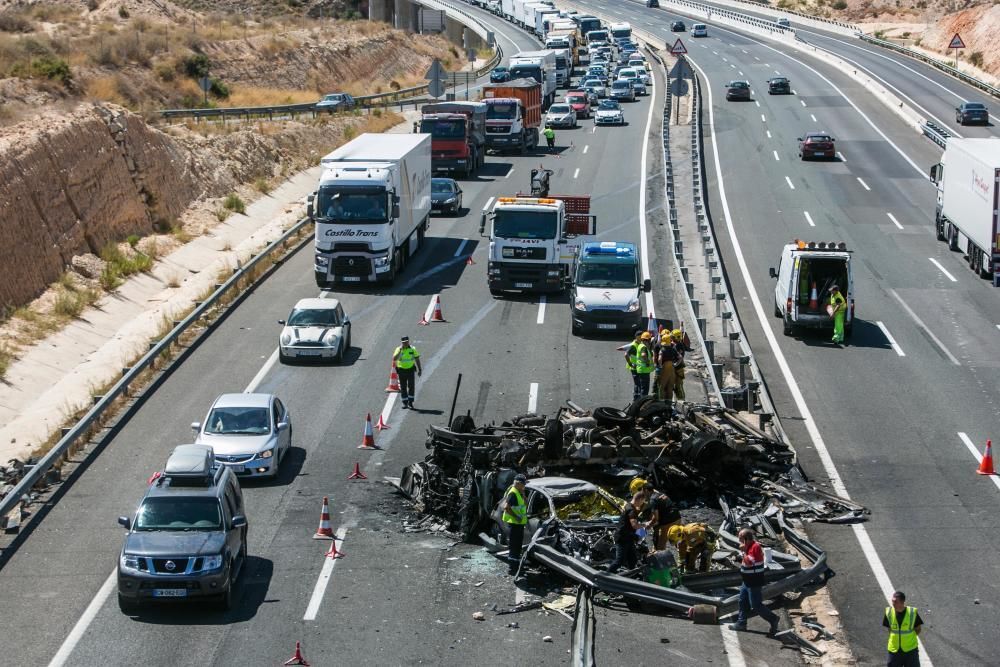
239,521
282,426
482,224
771,272
395,211
309,210
798,138
195,426
281,322
647,285
125,522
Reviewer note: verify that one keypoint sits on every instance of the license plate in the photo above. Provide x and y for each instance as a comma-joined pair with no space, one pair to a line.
606,326
522,285
170,592
308,353
817,153
238,468
352,279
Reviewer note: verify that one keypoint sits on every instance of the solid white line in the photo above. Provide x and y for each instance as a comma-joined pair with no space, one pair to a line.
892,341
731,644
507,175
813,116
756,102
319,590
461,247
643,237
864,185
894,221
777,159
842,158
262,373
541,310
768,133
89,614
860,531
533,397
576,174
430,308
586,148
790,184
489,202
920,323
979,457
593,129
809,219
390,401
943,270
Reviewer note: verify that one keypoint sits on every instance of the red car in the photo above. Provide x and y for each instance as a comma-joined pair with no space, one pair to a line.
579,102
817,144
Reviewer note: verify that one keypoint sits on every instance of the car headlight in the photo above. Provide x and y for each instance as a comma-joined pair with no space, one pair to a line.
130,561
381,262
322,260
450,200
580,305
286,339
331,339
266,454
633,305
213,562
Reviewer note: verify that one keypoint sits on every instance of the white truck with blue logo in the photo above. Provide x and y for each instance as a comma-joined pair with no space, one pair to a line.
607,288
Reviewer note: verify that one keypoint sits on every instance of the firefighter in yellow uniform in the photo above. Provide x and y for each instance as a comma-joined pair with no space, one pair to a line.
694,541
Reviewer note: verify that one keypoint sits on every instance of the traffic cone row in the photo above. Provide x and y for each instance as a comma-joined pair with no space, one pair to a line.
325,531
986,465
368,437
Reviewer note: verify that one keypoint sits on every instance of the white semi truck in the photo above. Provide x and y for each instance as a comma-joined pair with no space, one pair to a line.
371,207
968,199
540,66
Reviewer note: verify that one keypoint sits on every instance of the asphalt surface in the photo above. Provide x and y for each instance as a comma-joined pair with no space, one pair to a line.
397,597
890,416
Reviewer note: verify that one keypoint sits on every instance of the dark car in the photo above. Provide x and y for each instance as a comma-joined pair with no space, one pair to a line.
678,26
446,195
335,102
817,144
653,3
779,85
972,112
738,90
499,75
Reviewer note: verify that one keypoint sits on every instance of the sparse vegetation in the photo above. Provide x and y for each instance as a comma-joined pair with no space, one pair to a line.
233,203
976,58
120,265
6,358
839,5
262,185
222,213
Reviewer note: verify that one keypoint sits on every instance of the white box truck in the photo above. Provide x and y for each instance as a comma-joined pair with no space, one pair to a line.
544,19
371,207
507,9
968,198
540,66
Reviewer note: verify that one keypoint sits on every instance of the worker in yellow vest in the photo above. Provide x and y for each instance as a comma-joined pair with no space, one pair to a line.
639,360
406,359
837,309
515,515
904,625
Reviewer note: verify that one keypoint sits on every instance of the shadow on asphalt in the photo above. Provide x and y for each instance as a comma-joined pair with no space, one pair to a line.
351,355
865,334
290,468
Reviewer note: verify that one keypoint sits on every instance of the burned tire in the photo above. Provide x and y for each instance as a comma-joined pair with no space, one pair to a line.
655,408
553,439
611,417
635,407
469,519
529,419
463,424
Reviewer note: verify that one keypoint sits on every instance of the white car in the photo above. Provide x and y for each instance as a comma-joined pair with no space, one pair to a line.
699,30
315,329
632,75
560,115
249,433
595,86
609,112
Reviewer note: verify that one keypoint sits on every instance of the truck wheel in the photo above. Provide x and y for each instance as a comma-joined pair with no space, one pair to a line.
939,225
787,328
952,237
553,439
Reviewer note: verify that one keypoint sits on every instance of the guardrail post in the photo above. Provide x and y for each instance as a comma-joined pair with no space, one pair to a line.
744,362
726,317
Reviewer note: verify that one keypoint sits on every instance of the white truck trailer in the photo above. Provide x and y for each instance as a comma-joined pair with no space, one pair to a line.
540,66
371,207
968,199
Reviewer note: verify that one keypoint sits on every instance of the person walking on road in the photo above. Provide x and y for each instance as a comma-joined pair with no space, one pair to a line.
838,309
628,533
752,568
515,515
550,137
904,625
639,359
663,515
406,359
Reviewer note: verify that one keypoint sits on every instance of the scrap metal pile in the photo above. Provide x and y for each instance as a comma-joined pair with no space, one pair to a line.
707,459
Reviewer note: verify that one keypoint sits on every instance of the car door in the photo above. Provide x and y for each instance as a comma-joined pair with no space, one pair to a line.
284,435
345,322
234,536
782,282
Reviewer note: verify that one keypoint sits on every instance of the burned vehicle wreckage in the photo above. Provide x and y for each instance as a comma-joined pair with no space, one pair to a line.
710,461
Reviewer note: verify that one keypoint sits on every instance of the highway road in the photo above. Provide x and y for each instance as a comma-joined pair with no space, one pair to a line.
397,597
888,416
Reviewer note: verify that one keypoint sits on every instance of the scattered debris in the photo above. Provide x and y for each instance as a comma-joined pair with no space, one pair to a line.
478,616
547,638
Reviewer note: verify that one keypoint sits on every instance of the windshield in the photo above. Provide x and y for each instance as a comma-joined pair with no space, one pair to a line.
559,108
589,25
313,317
609,105
526,71
506,111
818,137
332,98
525,224
444,129
576,99
974,106
606,275
621,84
561,62
440,186
179,514
779,80
621,33
238,421
335,203
739,84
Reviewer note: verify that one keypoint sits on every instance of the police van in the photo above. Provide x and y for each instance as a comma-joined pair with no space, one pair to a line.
606,288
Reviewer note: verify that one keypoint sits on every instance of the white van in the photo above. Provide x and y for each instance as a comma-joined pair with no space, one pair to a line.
699,30
805,274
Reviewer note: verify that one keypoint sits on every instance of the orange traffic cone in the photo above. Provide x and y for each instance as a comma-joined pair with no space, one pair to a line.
324,532
368,439
813,298
651,327
437,316
298,658
357,474
393,381
334,552
381,425
986,465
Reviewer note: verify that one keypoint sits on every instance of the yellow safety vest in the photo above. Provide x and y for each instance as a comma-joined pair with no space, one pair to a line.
902,637
641,363
838,302
407,356
520,510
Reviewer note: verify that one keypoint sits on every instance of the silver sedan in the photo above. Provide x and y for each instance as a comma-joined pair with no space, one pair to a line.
250,433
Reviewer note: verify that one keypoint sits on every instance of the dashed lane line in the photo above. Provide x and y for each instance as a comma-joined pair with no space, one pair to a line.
809,219
892,341
863,184
920,323
790,184
894,221
943,270
541,310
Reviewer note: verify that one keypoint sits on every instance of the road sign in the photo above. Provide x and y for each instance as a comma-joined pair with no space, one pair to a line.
471,55
956,42
205,83
679,71
678,49
434,76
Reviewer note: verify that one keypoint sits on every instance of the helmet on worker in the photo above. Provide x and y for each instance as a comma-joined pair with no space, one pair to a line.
674,534
646,336
677,334
636,485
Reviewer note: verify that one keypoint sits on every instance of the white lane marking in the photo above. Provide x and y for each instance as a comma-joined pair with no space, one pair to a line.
777,159
593,129
794,92
979,457
943,270
809,219
715,52
756,58
643,240
927,330
430,308
892,341
790,184
89,614
894,221
864,185
802,102
507,175
745,51
731,643
724,59
732,65
813,116
756,102
860,531
262,373
777,72
741,73
842,158
390,401
768,133
586,148
319,590
461,247
533,397
541,310
489,202
763,119
576,174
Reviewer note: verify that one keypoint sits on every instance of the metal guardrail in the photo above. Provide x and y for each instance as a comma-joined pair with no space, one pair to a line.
934,62
79,429
779,10
935,133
